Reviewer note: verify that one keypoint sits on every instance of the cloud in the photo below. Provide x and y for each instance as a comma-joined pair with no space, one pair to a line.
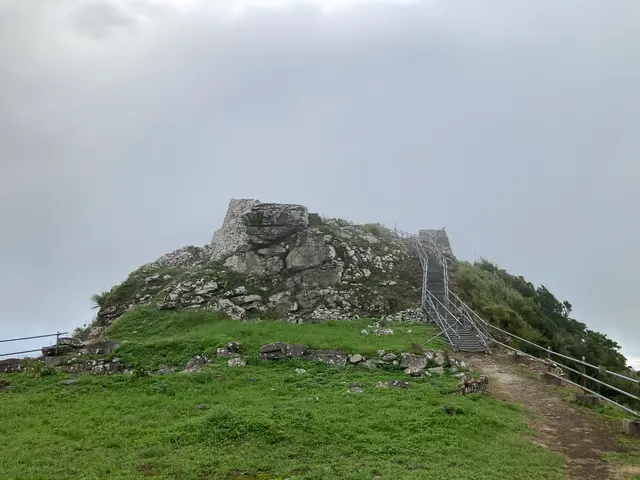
125,127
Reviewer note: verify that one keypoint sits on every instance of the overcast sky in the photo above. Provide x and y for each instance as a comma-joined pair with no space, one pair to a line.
126,127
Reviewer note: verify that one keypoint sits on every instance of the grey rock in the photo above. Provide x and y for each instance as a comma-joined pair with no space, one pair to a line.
312,252
233,347
441,359
393,384
225,353
356,390
330,357
227,306
236,291
389,357
266,223
206,288
356,358
416,362
202,406
246,299
295,350
281,350
107,368
300,371
237,362
196,363
436,371
415,372
369,365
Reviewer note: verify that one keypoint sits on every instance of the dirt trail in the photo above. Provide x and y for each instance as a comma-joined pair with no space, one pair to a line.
581,435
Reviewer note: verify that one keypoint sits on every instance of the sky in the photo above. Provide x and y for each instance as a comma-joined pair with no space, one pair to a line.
127,126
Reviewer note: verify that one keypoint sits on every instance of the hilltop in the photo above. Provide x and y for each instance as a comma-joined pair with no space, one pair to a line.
277,261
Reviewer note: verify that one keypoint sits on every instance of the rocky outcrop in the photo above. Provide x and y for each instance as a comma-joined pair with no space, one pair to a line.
279,260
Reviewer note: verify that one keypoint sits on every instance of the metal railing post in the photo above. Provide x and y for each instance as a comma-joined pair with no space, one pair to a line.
549,358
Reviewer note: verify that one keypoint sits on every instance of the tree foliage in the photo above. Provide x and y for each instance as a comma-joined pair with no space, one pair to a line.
533,313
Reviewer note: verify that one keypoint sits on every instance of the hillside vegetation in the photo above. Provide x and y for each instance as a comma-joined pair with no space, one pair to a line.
535,314
293,419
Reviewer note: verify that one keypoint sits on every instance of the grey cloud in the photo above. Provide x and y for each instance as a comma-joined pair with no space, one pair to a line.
512,124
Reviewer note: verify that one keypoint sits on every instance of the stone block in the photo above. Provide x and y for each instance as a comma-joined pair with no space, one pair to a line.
549,379
631,426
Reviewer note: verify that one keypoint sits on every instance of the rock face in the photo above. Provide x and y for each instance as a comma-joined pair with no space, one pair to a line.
279,260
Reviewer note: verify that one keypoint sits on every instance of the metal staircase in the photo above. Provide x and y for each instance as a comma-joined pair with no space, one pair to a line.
457,321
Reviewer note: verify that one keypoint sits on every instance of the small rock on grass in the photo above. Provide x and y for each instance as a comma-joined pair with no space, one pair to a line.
356,390
237,362
300,371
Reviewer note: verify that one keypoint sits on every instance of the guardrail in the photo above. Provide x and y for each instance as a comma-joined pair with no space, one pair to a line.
57,335
484,329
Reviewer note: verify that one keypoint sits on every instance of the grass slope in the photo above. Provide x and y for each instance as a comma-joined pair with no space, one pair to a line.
262,421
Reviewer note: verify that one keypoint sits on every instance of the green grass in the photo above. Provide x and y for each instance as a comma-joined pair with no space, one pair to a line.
262,421
152,337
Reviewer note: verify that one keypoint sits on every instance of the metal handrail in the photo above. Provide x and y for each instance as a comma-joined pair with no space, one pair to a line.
582,387
57,335
548,350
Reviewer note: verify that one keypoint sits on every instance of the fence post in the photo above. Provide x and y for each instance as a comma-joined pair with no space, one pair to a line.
549,358
57,340
584,372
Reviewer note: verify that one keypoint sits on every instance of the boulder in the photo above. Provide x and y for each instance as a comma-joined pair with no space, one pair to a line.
330,357
415,362
196,363
266,223
436,371
311,251
356,358
281,351
106,368
237,362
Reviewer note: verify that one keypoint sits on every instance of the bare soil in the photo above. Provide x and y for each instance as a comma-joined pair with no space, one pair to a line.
581,435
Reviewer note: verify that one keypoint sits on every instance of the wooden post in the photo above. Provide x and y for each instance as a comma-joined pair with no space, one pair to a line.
584,372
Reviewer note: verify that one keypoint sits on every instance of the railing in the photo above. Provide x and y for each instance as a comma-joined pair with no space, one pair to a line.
484,328
57,335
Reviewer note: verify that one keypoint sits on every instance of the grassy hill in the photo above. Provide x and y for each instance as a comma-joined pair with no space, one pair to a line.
266,420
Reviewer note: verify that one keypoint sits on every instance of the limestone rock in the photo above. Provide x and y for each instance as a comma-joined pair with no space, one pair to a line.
237,362
281,351
436,371
356,358
416,362
311,252
330,357
196,363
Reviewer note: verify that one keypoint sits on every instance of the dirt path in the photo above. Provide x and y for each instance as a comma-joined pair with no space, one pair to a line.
581,435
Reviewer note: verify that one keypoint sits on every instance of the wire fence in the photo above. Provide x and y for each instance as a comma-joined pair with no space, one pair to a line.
21,339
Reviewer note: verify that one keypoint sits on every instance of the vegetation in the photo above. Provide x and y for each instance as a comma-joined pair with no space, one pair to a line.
535,314
261,421
151,338
98,300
